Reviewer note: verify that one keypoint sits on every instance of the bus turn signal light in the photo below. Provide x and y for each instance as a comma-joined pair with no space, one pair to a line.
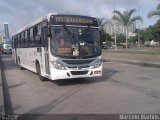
97,72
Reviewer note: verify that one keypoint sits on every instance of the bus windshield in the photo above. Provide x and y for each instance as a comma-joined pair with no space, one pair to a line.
75,42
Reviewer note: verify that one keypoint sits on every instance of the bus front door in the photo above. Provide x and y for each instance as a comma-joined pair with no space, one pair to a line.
46,55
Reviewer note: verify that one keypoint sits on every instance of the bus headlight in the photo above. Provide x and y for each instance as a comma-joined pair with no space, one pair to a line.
58,66
98,64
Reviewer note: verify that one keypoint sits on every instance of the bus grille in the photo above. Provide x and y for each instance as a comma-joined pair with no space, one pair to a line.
80,67
79,72
73,62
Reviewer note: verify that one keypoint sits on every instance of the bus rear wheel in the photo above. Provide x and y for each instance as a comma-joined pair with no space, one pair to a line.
39,72
19,63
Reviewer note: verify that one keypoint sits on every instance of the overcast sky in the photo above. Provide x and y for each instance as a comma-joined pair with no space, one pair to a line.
18,13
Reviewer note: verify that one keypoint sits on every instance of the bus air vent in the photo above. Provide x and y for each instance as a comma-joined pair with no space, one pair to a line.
78,61
79,72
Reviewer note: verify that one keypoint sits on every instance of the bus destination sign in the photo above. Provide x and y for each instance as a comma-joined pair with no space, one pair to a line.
73,20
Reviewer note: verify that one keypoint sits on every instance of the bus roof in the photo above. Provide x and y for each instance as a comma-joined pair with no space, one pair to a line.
46,17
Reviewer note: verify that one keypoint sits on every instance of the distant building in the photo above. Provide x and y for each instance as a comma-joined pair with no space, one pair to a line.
113,26
1,39
6,31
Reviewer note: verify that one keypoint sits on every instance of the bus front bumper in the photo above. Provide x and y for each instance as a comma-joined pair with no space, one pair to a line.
74,73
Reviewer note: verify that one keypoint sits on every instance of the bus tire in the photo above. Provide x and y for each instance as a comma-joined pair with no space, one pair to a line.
19,63
38,69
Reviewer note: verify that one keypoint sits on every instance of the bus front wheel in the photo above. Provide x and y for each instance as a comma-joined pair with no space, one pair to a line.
39,72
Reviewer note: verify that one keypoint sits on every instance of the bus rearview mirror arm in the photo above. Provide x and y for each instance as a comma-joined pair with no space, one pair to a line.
48,32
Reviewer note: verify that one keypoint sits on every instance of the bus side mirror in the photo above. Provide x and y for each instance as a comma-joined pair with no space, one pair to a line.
48,32
101,37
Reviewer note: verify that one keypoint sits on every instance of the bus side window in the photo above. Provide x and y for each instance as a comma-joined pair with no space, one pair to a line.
31,37
26,38
37,33
44,37
19,40
16,40
22,39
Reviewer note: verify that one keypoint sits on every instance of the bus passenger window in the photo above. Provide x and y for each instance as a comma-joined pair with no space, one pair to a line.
31,37
19,40
22,39
37,35
26,38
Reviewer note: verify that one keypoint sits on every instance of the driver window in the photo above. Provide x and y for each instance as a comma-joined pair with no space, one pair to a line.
57,37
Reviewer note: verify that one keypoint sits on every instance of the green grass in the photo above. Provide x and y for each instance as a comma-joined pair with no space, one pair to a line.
130,51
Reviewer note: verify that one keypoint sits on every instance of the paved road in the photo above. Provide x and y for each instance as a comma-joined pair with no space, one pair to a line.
123,88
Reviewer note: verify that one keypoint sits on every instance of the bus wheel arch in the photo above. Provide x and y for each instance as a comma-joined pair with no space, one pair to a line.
19,63
37,64
38,71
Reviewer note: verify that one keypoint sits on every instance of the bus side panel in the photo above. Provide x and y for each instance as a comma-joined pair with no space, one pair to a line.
14,56
27,57
43,61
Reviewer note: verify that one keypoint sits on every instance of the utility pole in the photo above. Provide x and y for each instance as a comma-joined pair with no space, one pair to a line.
115,35
114,26
139,24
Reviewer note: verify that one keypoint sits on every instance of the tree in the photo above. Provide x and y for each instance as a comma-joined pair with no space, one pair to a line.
152,13
155,12
151,33
156,33
120,38
126,19
100,21
104,36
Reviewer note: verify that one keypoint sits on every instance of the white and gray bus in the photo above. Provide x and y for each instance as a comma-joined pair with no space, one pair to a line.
59,46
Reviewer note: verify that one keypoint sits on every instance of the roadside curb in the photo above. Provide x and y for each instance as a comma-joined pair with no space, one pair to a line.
140,63
1,90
